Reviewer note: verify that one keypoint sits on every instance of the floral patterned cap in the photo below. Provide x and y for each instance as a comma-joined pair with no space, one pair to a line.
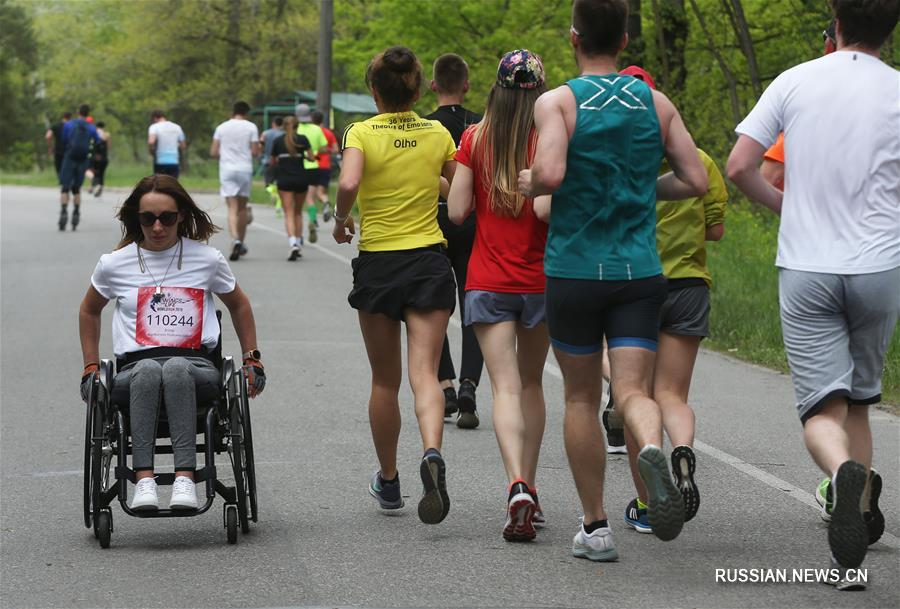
520,69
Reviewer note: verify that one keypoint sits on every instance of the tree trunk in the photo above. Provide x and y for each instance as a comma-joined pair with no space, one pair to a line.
634,52
662,51
735,11
726,71
233,50
675,33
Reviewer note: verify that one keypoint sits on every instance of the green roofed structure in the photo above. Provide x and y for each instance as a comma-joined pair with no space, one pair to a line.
346,103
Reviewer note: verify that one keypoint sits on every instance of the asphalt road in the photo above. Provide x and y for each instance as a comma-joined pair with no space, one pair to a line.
320,540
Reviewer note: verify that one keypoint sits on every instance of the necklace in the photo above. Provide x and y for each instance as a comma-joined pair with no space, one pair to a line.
145,268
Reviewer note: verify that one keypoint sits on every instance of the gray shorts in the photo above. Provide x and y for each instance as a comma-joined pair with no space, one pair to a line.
686,311
493,307
235,183
836,331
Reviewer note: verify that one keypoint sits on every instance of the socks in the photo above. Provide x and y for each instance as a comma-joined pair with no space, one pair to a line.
393,480
641,505
293,242
597,524
432,451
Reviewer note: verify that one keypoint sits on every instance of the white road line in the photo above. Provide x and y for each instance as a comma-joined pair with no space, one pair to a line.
754,472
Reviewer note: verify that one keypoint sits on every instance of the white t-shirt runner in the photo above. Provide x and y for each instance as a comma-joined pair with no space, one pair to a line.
168,136
841,120
235,137
181,314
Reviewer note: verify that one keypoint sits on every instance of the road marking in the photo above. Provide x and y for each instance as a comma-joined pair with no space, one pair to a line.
737,463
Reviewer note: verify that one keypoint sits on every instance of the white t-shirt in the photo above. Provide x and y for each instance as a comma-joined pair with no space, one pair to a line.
118,276
235,137
841,120
168,136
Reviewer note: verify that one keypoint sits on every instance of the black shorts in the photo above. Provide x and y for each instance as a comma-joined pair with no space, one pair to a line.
167,170
320,177
686,310
292,183
391,282
581,312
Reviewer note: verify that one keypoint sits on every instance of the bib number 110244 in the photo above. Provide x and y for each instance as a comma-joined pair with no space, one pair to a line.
170,317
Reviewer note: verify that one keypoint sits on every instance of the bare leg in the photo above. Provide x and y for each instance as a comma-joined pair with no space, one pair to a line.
287,203
425,331
298,214
381,335
825,436
532,351
632,374
675,360
859,435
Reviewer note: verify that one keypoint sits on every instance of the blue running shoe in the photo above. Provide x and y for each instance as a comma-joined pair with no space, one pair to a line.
636,517
387,493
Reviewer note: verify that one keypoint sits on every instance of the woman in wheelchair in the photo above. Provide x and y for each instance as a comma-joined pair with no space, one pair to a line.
162,276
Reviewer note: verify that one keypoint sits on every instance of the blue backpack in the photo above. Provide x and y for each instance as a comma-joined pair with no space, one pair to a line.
79,145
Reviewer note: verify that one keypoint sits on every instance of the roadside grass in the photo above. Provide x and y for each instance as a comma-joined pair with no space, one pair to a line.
744,321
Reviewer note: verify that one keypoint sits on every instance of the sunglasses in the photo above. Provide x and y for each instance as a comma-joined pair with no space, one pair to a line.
168,218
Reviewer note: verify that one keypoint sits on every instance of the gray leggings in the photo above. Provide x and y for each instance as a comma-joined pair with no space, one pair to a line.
178,377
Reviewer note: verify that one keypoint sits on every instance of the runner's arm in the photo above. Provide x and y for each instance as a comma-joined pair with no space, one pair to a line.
348,187
49,137
255,148
715,232
688,177
244,326
460,201
743,170
773,173
89,325
549,166
542,208
214,149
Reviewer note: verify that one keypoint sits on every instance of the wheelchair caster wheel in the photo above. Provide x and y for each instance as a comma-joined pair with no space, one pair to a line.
231,523
104,528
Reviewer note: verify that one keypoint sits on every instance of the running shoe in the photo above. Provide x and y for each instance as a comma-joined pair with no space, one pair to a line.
235,251
387,493
665,509
313,233
184,494
823,498
63,218
539,520
450,404
597,546
468,415
615,429
683,465
76,216
636,517
99,191
435,503
146,496
844,580
519,514
295,254
244,250
873,516
848,536
326,212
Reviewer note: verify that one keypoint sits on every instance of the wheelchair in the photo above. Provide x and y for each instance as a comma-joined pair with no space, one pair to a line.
225,427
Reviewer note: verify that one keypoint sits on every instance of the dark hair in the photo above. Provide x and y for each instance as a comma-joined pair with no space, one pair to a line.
101,124
67,115
196,225
600,25
396,76
867,23
450,73
157,114
278,121
84,110
317,117
240,107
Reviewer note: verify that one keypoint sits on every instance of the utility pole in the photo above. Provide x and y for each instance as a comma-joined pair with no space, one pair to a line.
323,69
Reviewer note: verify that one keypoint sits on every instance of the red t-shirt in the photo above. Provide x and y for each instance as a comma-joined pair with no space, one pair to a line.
324,158
508,255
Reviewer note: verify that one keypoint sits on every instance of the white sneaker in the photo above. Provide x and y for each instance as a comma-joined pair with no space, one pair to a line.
596,546
145,495
184,494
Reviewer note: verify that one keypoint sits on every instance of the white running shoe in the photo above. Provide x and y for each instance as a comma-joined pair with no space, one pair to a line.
597,546
145,495
184,494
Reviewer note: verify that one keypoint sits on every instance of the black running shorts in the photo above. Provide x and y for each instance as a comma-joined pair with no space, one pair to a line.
391,282
580,313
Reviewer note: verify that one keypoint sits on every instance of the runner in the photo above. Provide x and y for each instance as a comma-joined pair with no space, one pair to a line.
55,145
235,143
78,137
322,177
317,140
604,278
267,138
394,162
100,159
682,230
166,143
505,284
292,180
450,83
838,249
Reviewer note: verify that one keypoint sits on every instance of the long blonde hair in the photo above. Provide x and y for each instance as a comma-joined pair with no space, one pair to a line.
290,131
503,143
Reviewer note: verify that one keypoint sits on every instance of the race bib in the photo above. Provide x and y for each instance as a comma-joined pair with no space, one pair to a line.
170,317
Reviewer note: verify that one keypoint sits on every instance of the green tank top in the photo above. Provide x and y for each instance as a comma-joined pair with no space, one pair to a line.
603,224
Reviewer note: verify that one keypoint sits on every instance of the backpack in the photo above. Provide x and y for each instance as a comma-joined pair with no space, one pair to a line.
79,145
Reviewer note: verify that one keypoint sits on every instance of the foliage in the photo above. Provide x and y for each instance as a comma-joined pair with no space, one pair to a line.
19,131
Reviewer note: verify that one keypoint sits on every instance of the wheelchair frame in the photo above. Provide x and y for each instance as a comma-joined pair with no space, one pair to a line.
226,429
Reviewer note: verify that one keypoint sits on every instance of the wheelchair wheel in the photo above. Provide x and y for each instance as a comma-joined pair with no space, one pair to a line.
88,453
249,462
231,523
104,527
236,452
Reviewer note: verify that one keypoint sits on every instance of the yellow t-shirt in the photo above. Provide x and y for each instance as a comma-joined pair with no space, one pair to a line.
398,193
